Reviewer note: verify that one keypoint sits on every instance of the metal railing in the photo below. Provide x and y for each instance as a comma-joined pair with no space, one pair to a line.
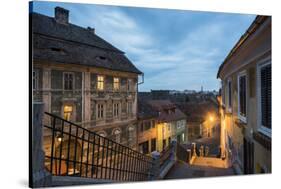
76,151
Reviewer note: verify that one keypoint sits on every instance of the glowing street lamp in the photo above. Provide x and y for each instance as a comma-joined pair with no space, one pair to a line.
211,118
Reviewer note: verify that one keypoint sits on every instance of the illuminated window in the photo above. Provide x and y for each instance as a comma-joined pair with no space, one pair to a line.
68,81
116,83
35,79
67,112
116,109
100,111
100,82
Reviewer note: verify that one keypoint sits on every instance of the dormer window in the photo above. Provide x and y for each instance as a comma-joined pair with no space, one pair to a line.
56,49
101,58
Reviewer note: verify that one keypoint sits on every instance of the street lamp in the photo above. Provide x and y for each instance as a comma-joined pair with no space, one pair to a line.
211,118
59,139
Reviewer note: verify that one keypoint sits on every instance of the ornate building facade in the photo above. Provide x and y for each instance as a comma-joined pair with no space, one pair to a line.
82,78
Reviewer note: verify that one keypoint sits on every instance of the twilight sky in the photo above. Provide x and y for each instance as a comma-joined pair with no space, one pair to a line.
175,49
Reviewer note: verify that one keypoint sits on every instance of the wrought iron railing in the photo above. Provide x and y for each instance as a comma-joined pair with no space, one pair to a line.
71,150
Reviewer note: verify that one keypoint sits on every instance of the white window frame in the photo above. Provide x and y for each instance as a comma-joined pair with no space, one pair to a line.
229,108
98,113
261,128
73,80
241,74
116,112
36,79
98,82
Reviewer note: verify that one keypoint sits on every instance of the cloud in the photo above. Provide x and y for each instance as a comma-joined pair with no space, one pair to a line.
175,49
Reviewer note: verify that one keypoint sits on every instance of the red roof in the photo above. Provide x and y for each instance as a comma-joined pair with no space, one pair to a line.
167,110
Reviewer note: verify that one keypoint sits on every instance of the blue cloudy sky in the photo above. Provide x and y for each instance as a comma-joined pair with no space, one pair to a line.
175,49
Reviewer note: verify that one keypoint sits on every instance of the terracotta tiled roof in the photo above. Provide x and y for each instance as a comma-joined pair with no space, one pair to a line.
167,110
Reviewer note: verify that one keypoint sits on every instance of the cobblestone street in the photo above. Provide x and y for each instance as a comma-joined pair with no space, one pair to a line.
184,170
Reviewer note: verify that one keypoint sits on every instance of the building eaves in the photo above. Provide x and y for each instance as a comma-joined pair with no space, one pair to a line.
253,27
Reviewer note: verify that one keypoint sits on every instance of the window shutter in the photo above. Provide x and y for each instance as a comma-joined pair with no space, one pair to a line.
265,74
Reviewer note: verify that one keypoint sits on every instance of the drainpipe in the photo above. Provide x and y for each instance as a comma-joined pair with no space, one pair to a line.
137,138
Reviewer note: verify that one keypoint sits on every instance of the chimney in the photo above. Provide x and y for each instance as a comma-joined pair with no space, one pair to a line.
92,30
61,15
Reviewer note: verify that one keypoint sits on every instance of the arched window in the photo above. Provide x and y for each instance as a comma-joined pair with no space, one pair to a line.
117,135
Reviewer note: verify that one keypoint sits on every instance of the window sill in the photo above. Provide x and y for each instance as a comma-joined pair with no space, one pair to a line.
262,139
265,131
242,119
